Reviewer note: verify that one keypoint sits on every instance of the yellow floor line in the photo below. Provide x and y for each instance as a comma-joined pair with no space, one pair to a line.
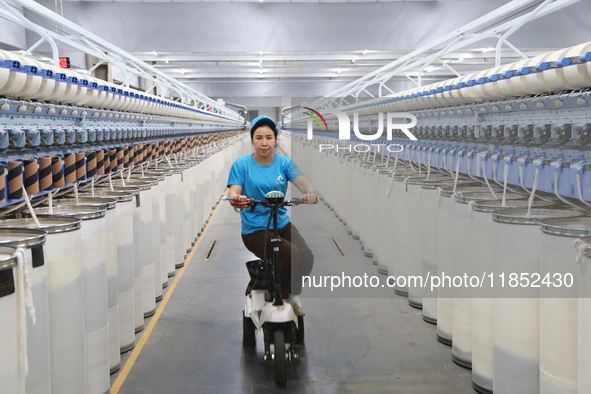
140,344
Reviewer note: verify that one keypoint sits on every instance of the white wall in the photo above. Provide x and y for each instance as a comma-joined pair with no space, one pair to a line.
272,112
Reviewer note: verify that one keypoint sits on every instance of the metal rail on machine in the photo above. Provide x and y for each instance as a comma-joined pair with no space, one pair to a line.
56,125
59,128
89,43
542,140
434,52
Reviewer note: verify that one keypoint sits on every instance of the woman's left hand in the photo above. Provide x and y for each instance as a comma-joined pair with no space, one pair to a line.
311,197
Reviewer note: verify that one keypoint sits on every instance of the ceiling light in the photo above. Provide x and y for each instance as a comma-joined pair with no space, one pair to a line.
155,53
339,70
261,53
365,52
166,61
352,61
461,59
182,71
261,61
490,49
261,71
429,69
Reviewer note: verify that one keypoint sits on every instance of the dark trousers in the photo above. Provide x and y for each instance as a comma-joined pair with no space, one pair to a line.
295,256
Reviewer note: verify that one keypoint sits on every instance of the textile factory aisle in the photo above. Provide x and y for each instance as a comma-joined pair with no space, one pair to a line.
374,343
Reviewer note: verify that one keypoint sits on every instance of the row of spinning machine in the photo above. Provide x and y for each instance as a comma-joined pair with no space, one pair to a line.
97,256
103,193
496,185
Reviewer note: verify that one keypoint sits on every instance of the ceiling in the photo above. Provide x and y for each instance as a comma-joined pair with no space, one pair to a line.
306,66
257,50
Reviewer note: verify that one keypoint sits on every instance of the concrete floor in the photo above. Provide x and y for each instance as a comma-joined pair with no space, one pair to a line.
370,343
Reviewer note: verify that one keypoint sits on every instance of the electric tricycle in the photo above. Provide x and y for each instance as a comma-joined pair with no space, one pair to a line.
264,308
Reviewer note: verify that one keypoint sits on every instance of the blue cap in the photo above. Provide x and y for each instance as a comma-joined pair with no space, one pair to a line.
262,120
257,119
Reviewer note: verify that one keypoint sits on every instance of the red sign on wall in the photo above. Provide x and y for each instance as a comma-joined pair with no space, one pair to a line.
64,62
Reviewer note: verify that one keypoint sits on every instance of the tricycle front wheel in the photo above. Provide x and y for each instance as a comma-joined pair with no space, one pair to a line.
280,361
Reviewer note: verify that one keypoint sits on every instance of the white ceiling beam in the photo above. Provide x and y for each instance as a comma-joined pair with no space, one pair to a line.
267,74
432,47
165,67
228,57
324,75
93,43
256,58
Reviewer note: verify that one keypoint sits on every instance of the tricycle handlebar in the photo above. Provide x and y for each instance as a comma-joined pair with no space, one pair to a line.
252,202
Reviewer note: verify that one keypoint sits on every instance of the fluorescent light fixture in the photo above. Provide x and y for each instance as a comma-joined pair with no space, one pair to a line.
155,53
490,49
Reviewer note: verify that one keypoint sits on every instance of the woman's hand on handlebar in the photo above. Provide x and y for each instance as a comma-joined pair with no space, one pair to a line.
235,194
311,197
241,198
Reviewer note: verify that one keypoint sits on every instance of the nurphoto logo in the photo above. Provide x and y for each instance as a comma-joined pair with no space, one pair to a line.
345,128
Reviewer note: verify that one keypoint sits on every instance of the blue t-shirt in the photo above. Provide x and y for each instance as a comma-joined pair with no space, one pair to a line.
256,181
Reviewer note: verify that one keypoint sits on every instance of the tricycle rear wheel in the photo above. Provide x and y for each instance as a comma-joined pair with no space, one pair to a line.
248,331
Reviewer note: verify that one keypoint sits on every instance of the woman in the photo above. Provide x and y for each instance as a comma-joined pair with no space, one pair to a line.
255,175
